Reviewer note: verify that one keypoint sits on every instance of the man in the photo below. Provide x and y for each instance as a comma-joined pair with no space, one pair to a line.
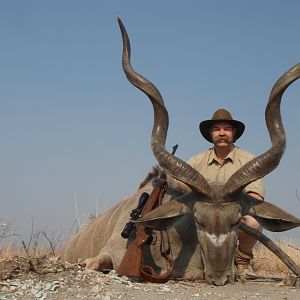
219,163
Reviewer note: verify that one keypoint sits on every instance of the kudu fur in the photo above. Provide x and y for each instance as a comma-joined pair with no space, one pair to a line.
202,219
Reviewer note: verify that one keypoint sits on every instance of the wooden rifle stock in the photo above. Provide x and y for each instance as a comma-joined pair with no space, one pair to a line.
132,260
131,264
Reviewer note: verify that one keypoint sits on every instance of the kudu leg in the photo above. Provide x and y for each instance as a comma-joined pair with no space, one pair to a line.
272,247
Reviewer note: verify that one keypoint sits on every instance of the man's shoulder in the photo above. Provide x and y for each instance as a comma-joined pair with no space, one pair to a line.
199,157
243,154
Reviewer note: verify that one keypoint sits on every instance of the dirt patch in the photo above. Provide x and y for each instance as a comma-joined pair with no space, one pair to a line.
49,278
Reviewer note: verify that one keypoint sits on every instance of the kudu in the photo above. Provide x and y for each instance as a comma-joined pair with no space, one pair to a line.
216,207
201,219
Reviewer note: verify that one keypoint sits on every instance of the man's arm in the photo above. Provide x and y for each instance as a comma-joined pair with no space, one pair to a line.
256,189
255,195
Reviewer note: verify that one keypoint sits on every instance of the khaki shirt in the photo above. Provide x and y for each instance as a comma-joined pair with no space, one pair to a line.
207,165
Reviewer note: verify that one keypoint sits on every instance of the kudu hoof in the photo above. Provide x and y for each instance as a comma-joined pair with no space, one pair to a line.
93,264
101,263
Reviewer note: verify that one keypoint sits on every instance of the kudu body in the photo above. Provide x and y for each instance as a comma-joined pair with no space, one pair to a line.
202,219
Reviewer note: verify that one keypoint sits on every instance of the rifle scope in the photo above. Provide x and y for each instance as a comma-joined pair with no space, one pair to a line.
135,214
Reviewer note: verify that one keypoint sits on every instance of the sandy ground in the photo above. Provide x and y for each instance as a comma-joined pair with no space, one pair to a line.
50,279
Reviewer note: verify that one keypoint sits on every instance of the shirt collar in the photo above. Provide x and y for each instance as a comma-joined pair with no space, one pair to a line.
213,157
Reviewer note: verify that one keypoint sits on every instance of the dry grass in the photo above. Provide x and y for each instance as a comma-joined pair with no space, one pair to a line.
9,250
38,245
266,262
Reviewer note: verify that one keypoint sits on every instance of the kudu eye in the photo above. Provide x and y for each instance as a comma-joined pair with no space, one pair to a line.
200,222
237,217
200,225
237,221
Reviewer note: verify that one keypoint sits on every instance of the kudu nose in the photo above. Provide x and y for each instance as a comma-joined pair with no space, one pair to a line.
219,281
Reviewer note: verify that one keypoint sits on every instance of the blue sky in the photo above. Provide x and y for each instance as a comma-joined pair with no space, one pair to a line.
70,123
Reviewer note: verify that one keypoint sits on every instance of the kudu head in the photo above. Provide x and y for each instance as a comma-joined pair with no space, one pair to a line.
216,208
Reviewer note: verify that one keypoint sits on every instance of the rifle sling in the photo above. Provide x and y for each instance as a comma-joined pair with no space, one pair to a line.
148,272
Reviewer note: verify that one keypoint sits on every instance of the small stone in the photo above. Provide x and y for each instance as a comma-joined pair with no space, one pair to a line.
96,289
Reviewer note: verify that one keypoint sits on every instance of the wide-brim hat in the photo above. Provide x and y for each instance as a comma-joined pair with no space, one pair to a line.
221,115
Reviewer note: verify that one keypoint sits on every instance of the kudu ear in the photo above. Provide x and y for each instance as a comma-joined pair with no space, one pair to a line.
165,216
272,217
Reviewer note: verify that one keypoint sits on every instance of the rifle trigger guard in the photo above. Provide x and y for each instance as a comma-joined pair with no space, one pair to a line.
154,238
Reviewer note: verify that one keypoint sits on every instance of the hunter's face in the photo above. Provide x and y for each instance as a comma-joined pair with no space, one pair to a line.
222,134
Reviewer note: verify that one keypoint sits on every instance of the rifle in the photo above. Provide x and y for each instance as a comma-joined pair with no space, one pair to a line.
131,264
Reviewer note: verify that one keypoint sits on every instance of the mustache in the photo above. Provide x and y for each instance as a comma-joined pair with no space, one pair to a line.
222,138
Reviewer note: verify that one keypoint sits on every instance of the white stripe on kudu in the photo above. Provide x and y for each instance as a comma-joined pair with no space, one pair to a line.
217,240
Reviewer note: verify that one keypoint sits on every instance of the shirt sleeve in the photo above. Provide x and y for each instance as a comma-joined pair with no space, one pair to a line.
192,161
257,187
195,160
